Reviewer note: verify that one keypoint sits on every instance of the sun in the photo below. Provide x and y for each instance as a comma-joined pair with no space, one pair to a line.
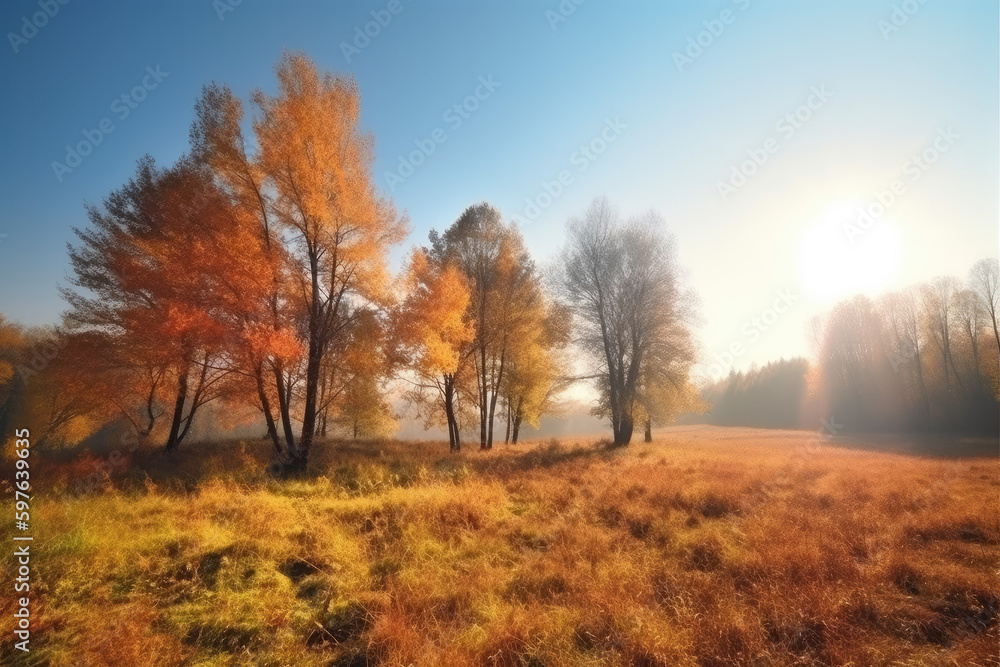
846,251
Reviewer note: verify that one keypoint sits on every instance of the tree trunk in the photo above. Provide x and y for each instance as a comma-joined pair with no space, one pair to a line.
175,424
283,409
996,329
196,401
506,435
493,400
623,434
649,430
489,432
483,396
265,405
958,378
316,344
309,413
920,380
975,363
518,415
454,439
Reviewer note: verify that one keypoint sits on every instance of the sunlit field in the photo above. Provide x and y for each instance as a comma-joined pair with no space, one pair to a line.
709,546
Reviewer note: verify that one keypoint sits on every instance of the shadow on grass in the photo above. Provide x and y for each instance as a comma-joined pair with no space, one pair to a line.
359,467
934,445
354,466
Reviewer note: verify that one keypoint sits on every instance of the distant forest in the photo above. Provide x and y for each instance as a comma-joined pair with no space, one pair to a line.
921,359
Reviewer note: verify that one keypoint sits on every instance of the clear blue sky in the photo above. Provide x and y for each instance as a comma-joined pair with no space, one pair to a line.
885,96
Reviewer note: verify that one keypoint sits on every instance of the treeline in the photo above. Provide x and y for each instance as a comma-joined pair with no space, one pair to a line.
252,276
923,358
770,396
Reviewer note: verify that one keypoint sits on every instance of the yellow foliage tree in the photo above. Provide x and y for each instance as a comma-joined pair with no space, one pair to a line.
318,164
434,333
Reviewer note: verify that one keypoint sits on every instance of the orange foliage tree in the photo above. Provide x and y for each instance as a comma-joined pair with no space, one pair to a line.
319,164
434,336
245,271
165,273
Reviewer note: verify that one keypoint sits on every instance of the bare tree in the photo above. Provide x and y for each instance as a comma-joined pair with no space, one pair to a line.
901,312
620,280
971,317
939,304
984,281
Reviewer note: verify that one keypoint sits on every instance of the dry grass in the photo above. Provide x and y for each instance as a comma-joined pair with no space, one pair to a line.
712,547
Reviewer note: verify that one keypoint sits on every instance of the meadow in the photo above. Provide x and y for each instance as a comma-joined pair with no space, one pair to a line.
709,546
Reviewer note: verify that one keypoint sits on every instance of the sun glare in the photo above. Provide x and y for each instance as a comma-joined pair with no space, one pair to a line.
847,251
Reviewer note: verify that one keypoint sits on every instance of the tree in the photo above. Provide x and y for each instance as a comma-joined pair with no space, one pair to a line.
536,363
665,390
901,313
503,287
318,164
270,348
938,299
434,334
163,276
770,396
354,389
620,280
984,281
12,345
855,365
47,385
971,317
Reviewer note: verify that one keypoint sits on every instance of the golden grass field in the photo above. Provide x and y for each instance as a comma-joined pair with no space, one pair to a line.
713,546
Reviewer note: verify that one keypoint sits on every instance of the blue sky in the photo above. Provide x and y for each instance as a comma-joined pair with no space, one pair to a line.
880,95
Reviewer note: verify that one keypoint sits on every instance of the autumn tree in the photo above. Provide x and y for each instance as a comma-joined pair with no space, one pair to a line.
664,389
434,337
537,365
907,340
13,353
48,386
620,279
162,273
353,390
940,312
271,350
504,289
318,168
856,366
984,281
971,318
